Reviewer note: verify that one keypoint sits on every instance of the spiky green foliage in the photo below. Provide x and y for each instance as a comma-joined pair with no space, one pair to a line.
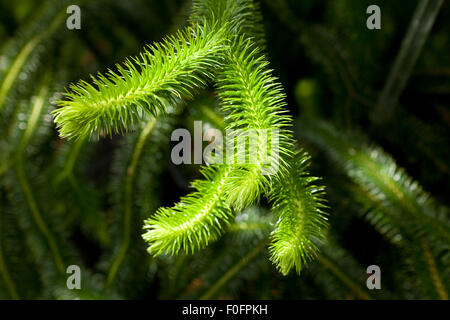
193,222
90,196
240,17
35,114
162,74
386,184
298,202
218,42
36,219
403,211
224,267
253,101
19,280
242,258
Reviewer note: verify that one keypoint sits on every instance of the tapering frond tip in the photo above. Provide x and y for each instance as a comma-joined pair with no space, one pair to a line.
163,239
161,75
287,255
300,206
194,222
244,188
166,237
74,120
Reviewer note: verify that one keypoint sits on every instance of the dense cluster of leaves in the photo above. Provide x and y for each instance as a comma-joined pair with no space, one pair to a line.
86,176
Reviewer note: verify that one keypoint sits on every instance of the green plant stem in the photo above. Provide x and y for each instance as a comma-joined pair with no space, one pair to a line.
176,271
23,55
33,121
246,226
432,268
212,291
4,269
32,204
130,175
338,273
213,117
5,166
70,163
411,47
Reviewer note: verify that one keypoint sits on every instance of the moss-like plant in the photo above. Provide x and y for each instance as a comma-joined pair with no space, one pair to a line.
224,44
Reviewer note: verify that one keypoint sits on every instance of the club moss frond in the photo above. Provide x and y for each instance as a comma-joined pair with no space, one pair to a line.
194,221
161,74
223,44
299,204
240,17
254,102
400,202
401,199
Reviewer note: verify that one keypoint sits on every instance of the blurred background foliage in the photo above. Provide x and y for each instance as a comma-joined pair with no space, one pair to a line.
83,203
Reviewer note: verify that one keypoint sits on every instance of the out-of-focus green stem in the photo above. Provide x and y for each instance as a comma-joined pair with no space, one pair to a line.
410,49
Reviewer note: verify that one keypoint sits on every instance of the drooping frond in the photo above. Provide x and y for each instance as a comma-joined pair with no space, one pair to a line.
193,222
299,205
27,190
254,102
163,73
400,204
388,185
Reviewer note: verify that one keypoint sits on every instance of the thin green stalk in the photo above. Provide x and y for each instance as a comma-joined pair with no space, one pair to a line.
341,275
212,116
22,57
4,270
411,47
37,108
67,173
432,268
32,204
70,163
130,175
5,166
245,226
212,291
177,267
